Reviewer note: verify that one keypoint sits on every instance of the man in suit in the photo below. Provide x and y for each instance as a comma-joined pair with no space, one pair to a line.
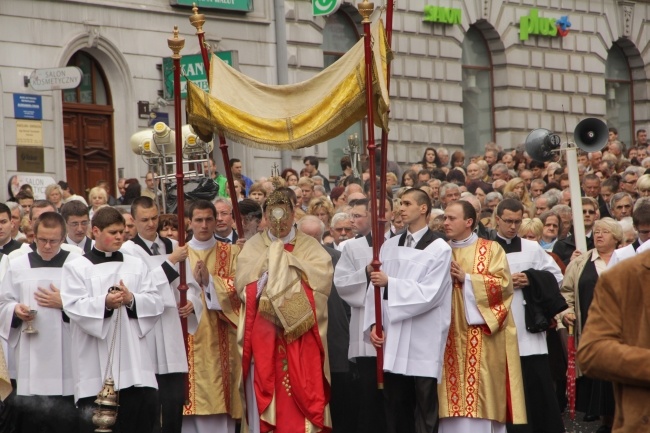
342,407
75,214
224,231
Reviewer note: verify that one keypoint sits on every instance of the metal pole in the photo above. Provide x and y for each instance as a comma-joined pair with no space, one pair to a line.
197,20
576,199
176,44
365,9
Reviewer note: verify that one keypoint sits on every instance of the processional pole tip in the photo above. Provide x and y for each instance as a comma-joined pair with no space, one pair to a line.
176,44
366,8
197,19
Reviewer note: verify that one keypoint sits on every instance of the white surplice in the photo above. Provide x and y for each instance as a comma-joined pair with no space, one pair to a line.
352,284
42,361
83,291
626,252
531,256
417,314
165,341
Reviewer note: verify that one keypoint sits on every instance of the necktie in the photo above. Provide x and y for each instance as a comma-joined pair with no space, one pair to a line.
409,241
155,250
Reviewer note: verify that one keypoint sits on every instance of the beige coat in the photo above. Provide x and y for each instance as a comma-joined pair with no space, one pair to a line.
615,343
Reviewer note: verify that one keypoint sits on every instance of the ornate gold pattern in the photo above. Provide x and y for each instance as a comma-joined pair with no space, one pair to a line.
176,44
197,20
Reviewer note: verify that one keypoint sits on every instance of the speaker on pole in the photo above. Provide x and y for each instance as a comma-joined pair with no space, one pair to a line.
591,134
541,144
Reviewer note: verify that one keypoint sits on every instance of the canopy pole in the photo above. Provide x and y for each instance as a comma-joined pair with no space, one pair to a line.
365,9
384,132
197,20
176,44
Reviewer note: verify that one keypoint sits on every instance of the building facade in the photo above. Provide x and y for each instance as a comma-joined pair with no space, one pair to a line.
464,73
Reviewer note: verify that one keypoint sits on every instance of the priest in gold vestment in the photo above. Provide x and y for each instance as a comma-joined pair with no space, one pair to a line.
214,364
284,278
481,387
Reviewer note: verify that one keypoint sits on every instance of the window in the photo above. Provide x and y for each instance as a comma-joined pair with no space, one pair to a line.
478,109
339,35
92,89
618,94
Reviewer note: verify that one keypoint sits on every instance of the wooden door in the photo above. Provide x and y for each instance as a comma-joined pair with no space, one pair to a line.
89,157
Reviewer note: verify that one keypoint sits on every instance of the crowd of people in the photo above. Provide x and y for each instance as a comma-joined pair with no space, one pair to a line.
481,282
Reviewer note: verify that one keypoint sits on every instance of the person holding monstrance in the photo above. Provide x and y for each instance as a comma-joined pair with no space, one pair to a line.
284,277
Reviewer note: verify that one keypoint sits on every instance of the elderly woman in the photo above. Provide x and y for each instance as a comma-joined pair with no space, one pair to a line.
594,397
551,228
322,208
54,194
643,186
97,197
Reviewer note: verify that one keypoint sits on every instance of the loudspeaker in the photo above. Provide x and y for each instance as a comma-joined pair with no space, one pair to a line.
541,143
591,134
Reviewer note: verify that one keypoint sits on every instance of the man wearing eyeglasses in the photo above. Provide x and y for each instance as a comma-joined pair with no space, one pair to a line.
530,264
352,278
641,222
77,221
340,229
42,361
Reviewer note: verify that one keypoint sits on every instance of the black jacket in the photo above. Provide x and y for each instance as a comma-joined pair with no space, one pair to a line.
543,300
565,247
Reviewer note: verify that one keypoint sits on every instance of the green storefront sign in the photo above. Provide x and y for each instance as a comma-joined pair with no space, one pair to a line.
230,5
192,67
443,15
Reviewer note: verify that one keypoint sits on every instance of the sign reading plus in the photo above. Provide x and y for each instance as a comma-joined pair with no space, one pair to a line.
533,24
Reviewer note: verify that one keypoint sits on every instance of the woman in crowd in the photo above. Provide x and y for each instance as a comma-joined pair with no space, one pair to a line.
97,197
290,176
168,226
133,190
518,186
54,195
458,159
531,229
409,178
594,397
552,226
338,197
430,158
241,193
322,208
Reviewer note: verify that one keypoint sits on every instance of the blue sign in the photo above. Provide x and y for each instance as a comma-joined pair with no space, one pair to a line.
28,106
155,117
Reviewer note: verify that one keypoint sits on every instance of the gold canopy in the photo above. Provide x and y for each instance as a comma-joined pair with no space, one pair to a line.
292,116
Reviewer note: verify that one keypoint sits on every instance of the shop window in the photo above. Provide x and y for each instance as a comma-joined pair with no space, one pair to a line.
339,35
618,94
478,108
92,89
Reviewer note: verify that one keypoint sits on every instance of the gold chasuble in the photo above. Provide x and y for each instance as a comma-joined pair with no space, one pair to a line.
214,364
482,373
283,333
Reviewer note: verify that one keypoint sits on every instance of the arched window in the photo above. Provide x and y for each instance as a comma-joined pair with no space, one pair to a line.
339,35
93,89
478,108
618,93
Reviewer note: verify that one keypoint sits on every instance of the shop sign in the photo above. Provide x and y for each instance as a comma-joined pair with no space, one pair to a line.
443,15
55,78
29,133
231,5
533,24
28,106
192,67
325,7
38,183
30,159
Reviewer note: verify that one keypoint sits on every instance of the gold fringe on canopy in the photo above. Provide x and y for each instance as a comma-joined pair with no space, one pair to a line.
293,116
